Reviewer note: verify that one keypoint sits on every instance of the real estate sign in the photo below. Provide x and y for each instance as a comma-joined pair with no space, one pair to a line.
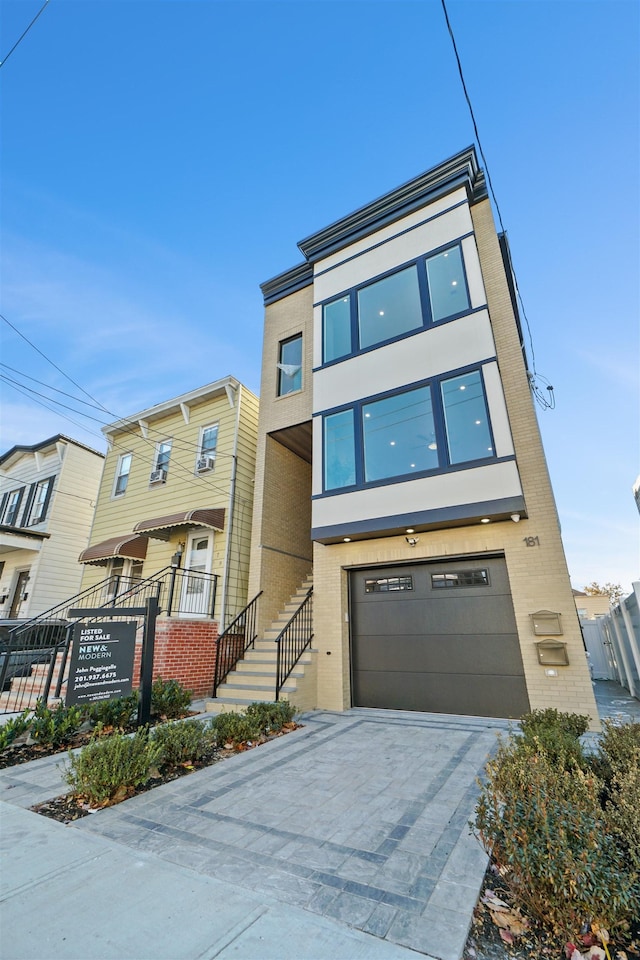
101,665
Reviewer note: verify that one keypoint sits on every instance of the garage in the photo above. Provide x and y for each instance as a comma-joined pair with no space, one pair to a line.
438,637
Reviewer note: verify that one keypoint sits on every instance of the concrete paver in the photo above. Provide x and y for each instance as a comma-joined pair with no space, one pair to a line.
354,819
347,838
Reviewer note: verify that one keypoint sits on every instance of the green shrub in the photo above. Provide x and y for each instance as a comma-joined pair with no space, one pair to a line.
617,762
271,717
109,769
170,699
556,734
544,824
13,728
54,727
182,741
119,713
234,728
618,749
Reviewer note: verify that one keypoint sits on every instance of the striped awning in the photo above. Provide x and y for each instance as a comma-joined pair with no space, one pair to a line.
160,527
129,546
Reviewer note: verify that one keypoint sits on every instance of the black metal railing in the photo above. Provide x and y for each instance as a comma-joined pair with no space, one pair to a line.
35,647
233,643
293,640
190,593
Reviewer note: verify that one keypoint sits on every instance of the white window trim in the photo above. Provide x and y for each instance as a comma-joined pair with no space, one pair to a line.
114,494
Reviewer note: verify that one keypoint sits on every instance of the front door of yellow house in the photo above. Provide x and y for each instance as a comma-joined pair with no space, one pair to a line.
197,584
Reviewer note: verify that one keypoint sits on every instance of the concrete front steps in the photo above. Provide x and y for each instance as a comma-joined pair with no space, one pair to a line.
254,678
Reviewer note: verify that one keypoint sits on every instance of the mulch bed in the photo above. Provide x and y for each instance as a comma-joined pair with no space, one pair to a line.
487,941
70,807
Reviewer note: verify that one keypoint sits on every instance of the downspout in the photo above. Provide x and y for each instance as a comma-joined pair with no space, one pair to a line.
232,498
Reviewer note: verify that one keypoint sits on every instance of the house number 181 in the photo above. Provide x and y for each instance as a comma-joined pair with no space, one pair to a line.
532,541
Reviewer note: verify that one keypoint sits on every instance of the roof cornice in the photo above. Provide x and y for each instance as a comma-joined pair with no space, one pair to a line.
461,170
22,448
286,283
227,385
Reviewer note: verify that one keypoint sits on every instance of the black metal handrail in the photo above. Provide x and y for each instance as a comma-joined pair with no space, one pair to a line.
293,640
233,643
41,639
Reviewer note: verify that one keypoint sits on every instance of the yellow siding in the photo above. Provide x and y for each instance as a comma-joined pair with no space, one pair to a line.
184,488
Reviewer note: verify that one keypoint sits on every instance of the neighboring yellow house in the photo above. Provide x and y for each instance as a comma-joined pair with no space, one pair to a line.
177,493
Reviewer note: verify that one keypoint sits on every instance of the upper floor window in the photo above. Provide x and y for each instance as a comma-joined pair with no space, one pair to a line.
290,365
432,427
11,507
432,289
40,502
161,461
122,474
207,448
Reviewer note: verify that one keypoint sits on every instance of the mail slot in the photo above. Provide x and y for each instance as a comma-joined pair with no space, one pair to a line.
546,622
552,653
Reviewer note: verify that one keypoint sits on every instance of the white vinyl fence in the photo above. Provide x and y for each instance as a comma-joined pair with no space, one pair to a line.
613,643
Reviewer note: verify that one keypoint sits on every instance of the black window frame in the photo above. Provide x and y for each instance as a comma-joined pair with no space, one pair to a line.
10,520
281,344
471,577
444,463
28,519
425,301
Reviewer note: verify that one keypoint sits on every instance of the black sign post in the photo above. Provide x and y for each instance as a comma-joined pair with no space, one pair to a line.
146,667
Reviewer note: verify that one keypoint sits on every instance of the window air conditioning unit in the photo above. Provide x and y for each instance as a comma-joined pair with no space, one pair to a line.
204,464
157,476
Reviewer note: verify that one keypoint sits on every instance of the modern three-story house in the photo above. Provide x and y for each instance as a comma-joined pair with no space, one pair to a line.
400,460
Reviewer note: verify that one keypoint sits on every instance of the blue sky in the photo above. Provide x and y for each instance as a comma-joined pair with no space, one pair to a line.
161,159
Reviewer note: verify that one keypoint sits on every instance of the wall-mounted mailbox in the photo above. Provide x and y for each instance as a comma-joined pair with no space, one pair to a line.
546,622
552,653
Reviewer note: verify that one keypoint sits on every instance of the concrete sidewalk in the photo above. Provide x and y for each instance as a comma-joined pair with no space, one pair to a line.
347,838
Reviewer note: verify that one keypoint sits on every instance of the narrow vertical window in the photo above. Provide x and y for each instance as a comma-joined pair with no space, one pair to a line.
290,365
122,474
337,329
12,507
466,419
447,284
163,455
207,449
339,451
40,502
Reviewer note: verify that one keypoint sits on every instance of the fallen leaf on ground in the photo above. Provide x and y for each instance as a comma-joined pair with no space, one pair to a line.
509,920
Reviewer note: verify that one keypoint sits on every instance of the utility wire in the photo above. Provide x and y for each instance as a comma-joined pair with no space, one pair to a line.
545,402
23,35
132,425
49,387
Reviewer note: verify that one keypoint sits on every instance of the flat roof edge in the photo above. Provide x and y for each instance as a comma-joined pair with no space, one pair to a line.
286,283
460,170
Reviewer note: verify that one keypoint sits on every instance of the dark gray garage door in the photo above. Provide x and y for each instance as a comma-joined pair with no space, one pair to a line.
437,637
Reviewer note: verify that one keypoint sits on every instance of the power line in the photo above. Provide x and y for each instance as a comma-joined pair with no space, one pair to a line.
50,387
133,425
546,403
23,35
